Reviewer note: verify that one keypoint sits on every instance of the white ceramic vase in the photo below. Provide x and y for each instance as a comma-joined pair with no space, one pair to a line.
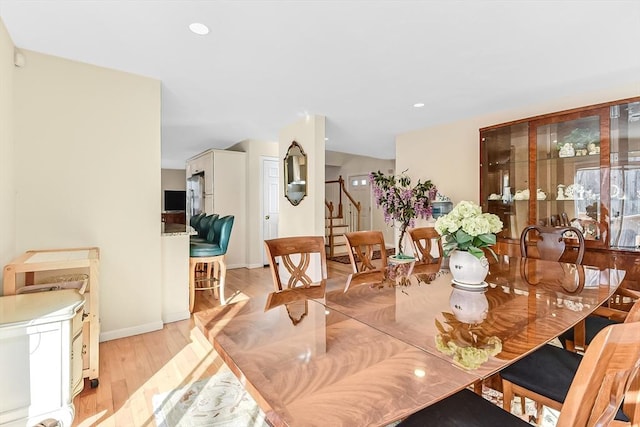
469,306
466,268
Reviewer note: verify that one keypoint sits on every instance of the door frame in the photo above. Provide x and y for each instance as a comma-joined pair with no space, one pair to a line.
265,261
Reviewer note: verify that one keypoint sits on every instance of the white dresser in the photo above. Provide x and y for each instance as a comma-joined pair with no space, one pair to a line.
40,357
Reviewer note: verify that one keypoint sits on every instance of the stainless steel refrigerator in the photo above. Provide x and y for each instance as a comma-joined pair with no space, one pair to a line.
195,195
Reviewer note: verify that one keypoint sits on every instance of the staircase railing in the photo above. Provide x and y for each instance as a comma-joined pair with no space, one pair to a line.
348,213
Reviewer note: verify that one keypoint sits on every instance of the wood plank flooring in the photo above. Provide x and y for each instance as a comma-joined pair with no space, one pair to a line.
133,369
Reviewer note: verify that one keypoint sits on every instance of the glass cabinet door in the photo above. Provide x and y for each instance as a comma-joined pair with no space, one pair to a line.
625,176
568,174
503,170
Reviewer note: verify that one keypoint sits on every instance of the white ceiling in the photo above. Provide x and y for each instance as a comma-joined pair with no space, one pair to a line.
362,64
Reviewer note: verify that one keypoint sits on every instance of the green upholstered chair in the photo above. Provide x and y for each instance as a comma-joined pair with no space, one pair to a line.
194,220
212,254
203,228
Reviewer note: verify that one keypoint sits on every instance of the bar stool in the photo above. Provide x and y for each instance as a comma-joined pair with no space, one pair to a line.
211,253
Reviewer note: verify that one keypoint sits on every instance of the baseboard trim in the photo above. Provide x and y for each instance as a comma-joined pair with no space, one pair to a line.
175,316
255,266
128,332
232,266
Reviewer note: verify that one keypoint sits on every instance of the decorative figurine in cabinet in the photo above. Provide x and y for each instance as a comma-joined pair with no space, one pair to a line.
582,165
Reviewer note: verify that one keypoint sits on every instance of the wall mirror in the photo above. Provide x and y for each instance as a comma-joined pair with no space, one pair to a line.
295,174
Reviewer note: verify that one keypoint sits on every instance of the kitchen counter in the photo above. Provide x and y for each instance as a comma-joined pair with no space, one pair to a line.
177,230
175,274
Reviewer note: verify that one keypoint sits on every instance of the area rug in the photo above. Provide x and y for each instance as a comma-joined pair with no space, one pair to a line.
344,259
221,401
218,401
549,416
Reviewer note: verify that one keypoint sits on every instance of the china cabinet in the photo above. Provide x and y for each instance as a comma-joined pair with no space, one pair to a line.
578,167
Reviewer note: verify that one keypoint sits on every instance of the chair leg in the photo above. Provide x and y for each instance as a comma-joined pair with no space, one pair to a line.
223,276
216,279
507,395
477,387
209,279
192,284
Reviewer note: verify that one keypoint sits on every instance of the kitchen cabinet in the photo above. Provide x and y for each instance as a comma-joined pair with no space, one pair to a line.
175,217
36,266
225,194
40,361
579,167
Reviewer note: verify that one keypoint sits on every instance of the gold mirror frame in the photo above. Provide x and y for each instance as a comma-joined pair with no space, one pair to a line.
295,174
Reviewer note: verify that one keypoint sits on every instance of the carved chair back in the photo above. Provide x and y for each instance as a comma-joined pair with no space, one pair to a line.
549,242
608,373
295,254
424,240
361,246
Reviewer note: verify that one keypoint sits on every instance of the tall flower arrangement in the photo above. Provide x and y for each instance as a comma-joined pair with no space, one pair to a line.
466,228
402,203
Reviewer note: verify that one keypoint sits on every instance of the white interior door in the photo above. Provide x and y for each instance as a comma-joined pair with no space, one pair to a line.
270,207
358,186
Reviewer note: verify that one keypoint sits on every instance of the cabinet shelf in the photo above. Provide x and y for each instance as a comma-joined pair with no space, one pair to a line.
612,170
575,162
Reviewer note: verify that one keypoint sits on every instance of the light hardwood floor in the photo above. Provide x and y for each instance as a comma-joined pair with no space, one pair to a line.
134,369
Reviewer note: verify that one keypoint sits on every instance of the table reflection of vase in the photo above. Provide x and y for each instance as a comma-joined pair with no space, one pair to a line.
468,269
469,306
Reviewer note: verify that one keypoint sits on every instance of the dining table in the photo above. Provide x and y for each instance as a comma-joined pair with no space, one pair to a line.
374,348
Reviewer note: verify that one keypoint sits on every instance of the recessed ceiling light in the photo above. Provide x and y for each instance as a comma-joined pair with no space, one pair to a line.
326,139
199,28
418,104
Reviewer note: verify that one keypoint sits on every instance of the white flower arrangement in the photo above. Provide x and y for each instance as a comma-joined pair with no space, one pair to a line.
466,228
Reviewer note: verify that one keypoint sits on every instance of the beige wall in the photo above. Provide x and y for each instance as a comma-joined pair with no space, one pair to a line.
306,219
7,183
173,179
449,154
256,151
88,150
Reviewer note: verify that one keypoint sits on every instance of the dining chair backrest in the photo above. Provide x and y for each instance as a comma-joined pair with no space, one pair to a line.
548,243
634,313
424,240
607,372
361,246
295,254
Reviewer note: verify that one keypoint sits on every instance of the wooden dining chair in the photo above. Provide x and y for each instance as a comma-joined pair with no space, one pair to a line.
580,336
361,246
545,375
601,379
548,243
425,239
295,253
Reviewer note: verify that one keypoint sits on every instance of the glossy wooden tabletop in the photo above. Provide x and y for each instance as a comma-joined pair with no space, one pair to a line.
383,350
529,302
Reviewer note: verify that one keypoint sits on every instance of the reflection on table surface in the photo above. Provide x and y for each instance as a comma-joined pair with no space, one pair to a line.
376,351
530,302
327,369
